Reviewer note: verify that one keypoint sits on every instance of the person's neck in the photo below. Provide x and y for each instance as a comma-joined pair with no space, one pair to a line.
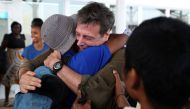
38,45
144,102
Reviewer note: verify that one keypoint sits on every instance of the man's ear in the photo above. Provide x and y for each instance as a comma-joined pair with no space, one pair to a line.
106,35
132,80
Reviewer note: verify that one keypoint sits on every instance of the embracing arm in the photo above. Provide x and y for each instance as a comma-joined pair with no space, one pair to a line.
116,41
30,65
27,79
73,79
70,78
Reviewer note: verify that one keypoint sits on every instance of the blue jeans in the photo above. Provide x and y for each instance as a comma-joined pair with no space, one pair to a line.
32,101
52,94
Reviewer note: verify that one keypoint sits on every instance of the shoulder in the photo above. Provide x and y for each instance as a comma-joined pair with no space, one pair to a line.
7,35
95,49
22,36
29,47
45,45
94,53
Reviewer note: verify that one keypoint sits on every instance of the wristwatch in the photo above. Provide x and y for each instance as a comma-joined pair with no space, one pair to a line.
57,66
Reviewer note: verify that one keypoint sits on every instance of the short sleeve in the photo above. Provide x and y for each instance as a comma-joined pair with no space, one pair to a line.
24,54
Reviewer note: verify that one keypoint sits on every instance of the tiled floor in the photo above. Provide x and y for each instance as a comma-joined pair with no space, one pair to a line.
2,102
14,90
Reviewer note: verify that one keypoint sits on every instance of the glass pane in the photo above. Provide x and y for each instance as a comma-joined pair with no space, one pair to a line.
149,13
183,15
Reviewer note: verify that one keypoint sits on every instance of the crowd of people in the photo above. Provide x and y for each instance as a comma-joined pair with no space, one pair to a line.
75,62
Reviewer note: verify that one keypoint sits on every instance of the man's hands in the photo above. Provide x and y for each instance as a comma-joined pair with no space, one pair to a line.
119,85
52,59
121,100
28,81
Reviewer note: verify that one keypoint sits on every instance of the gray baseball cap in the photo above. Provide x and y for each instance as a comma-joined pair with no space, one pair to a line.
58,32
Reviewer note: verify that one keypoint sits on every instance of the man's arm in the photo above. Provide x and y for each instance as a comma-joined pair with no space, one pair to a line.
70,78
121,100
116,41
103,83
32,64
27,79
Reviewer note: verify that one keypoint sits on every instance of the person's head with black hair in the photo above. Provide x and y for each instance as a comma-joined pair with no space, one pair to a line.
16,28
94,22
158,63
36,30
37,22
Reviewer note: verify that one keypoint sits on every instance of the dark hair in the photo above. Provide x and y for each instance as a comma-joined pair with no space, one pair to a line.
96,13
15,23
159,50
37,22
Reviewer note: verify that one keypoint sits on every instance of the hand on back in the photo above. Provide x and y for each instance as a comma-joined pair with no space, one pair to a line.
28,82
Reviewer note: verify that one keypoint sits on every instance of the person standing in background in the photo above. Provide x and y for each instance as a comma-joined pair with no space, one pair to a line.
38,46
13,43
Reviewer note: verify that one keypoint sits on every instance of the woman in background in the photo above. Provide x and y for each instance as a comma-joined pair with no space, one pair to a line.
13,43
